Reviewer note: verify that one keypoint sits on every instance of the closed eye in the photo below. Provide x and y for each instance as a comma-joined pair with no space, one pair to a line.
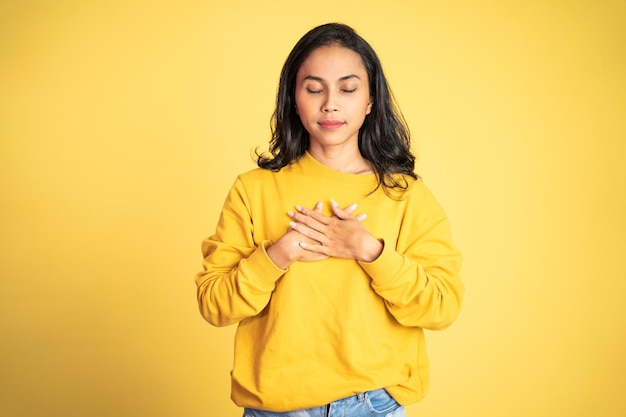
313,91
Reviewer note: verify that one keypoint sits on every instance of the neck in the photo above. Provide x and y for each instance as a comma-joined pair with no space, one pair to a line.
341,159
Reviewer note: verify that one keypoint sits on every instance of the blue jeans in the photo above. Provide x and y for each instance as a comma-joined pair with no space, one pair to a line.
369,404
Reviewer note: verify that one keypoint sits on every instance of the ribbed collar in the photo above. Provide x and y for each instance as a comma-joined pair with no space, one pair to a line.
312,165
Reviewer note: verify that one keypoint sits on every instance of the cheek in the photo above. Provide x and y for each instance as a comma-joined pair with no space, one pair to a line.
301,113
303,108
300,105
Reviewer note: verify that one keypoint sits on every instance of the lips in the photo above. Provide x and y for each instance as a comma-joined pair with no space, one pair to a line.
331,124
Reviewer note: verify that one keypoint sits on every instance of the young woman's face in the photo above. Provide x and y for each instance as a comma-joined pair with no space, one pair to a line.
332,96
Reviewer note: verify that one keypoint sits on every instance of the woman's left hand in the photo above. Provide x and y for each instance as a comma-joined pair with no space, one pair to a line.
341,235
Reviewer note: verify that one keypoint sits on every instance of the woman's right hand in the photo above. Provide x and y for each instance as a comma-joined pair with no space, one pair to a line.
287,249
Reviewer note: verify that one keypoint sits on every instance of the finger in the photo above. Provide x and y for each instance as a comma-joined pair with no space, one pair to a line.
304,213
306,224
342,213
314,248
350,208
308,231
317,208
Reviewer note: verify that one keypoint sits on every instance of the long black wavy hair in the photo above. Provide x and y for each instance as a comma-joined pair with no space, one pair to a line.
384,138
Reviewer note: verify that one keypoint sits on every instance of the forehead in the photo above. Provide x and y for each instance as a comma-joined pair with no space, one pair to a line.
332,62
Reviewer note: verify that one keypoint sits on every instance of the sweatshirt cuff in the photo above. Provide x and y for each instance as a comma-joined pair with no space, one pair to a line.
384,268
260,266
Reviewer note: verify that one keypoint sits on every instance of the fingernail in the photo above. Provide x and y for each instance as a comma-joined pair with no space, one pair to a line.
290,213
318,205
333,202
292,225
352,206
299,208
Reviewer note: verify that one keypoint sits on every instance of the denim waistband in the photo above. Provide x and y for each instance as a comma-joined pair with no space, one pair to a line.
377,403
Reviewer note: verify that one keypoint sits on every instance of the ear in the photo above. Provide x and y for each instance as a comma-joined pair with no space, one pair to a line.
370,103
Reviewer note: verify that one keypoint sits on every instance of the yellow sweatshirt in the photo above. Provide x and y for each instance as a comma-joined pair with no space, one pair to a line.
320,331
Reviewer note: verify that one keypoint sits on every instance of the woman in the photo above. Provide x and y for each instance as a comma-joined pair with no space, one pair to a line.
331,302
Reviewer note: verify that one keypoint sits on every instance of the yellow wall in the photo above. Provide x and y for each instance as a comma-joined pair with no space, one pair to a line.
124,123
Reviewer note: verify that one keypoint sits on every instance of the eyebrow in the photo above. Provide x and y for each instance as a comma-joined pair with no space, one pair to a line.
320,79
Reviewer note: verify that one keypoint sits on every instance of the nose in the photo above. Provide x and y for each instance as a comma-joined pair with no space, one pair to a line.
330,104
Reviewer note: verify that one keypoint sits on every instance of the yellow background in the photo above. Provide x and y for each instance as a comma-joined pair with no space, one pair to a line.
124,123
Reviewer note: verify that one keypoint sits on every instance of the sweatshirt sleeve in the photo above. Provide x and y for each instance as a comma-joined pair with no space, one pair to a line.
419,277
238,276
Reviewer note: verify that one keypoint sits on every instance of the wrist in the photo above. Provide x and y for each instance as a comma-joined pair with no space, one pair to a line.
372,249
279,256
